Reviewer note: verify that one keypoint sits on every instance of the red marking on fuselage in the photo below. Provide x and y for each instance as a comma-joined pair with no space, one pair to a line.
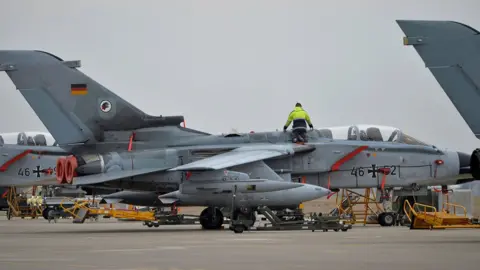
7,164
349,156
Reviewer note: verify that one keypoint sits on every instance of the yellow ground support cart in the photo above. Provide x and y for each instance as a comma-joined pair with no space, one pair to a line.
80,210
424,216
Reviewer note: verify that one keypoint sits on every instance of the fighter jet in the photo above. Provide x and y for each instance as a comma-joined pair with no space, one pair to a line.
449,50
202,189
109,142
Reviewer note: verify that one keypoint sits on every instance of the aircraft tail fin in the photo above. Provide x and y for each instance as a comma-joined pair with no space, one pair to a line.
73,107
451,51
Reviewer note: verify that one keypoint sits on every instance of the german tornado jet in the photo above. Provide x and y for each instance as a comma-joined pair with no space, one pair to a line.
105,141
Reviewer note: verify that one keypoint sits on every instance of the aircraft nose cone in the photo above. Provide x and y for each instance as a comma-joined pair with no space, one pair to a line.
464,161
317,192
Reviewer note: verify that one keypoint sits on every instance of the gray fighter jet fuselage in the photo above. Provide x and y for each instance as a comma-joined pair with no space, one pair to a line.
108,142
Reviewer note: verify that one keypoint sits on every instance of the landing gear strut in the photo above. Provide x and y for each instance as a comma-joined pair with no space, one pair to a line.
387,218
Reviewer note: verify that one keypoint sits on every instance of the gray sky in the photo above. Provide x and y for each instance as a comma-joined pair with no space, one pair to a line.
244,64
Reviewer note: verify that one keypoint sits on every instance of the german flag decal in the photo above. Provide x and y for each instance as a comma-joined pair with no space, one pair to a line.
79,89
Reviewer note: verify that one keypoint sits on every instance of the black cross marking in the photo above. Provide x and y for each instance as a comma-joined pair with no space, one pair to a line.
373,171
37,171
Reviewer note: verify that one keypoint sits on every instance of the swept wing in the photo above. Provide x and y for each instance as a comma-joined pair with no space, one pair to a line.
242,155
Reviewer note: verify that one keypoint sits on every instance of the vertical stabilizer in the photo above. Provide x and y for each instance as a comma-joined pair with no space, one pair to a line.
73,107
451,51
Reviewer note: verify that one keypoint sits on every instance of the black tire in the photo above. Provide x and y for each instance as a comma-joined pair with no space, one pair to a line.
380,219
45,213
387,219
238,229
207,221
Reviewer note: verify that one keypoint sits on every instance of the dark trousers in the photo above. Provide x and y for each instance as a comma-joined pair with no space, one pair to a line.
299,135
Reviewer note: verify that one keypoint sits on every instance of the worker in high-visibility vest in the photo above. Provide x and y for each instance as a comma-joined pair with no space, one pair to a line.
300,119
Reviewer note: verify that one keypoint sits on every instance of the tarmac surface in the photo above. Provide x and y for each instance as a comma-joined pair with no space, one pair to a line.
36,244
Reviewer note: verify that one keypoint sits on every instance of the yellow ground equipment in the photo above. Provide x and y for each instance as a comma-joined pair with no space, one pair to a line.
81,210
20,205
424,216
359,208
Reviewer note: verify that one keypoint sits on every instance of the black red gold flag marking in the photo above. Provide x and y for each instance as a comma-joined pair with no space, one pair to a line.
79,89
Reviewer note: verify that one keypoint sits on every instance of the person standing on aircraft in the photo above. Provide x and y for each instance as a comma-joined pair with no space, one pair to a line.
300,118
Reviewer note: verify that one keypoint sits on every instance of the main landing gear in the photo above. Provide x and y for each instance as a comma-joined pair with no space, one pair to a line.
211,218
389,217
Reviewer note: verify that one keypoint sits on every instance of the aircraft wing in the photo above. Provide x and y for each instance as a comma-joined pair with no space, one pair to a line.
238,156
112,176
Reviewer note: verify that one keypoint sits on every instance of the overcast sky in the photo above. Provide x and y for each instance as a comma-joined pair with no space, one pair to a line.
244,64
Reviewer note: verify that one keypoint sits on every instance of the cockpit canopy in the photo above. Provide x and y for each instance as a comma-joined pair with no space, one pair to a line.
27,138
355,132
368,133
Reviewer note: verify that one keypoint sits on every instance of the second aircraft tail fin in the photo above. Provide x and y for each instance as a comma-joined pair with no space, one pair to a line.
72,106
451,51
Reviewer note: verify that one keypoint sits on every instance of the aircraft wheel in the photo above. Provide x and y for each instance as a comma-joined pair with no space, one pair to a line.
238,229
156,225
45,213
380,219
387,219
211,218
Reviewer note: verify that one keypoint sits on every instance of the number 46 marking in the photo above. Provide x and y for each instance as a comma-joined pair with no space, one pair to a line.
357,171
24,172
